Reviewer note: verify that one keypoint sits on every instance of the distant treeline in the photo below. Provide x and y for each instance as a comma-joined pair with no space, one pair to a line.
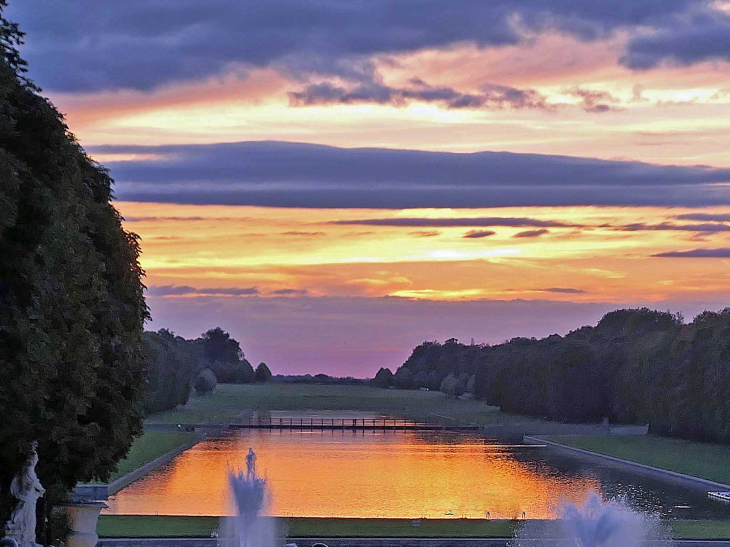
176,366
635,366
318,379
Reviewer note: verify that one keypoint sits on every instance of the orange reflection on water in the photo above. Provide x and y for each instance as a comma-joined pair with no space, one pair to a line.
359,474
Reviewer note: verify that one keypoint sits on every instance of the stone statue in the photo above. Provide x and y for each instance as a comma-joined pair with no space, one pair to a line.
26,488
251,463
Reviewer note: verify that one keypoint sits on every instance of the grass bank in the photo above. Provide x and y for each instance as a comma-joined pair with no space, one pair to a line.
238,402
704,460
151,445
163,526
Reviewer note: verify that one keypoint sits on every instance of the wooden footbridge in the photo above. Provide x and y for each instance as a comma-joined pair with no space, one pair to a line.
373,424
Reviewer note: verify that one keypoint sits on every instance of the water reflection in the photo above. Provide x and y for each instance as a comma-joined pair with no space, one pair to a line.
371,474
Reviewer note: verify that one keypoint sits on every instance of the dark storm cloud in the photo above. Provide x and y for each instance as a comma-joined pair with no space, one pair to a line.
685,39
305,175
696,253
532,233
491,97
478,234
179,290
77,45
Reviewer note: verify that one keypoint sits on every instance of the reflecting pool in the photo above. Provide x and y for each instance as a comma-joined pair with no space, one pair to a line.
395,474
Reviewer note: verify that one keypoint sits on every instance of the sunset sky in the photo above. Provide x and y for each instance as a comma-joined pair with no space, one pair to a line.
336,181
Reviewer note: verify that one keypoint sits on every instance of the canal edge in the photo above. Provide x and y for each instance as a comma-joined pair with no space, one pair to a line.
657,472
103,491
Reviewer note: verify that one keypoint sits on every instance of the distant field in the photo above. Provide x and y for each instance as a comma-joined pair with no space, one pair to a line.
161,526
704,460
238,402
152,444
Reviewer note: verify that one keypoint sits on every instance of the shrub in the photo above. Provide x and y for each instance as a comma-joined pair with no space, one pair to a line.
205,382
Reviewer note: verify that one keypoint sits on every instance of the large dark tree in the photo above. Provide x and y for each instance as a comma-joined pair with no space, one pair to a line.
218,346
71,297
171,363
383,378
263,374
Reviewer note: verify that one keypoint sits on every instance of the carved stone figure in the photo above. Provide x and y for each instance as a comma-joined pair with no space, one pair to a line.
26,488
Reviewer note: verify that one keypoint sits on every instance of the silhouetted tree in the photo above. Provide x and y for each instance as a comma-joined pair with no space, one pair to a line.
218,346
263,374
403,378
636,365
71,298
170,365
383,378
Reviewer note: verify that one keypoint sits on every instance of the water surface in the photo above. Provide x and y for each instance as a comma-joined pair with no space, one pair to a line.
395,474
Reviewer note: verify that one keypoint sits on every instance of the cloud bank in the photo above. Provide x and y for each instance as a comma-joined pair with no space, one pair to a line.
280,174
143,45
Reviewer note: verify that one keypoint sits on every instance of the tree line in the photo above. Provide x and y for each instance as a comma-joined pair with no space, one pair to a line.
634,366
72,307
176,366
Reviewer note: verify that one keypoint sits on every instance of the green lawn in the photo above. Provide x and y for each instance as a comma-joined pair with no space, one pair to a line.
238,402
155,526
162,526
149,446
704,460
701,529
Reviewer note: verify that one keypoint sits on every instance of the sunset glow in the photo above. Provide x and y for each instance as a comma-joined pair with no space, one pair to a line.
315,261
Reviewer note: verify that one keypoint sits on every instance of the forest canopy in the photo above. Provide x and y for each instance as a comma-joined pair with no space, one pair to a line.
634,366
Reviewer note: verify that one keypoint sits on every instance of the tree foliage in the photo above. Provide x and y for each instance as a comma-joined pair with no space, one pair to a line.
205,382
635,366
383,378
222,353
71,297
263,374
171,363
219,346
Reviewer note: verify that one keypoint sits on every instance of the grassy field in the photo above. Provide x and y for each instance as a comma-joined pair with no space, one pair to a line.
161,526
238,402
152,444
704,460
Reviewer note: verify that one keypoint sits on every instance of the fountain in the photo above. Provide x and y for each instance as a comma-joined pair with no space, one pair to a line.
595,524
248,528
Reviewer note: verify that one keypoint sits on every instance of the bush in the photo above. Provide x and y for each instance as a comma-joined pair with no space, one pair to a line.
205,382
263,374
384,378
236,372
449,386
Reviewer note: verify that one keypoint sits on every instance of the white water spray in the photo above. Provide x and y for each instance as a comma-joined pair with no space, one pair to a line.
595,524
249,528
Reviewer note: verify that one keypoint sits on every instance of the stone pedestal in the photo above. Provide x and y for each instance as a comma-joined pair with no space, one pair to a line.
82,519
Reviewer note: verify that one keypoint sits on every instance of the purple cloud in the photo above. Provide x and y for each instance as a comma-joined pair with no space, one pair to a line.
179,290
696,253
